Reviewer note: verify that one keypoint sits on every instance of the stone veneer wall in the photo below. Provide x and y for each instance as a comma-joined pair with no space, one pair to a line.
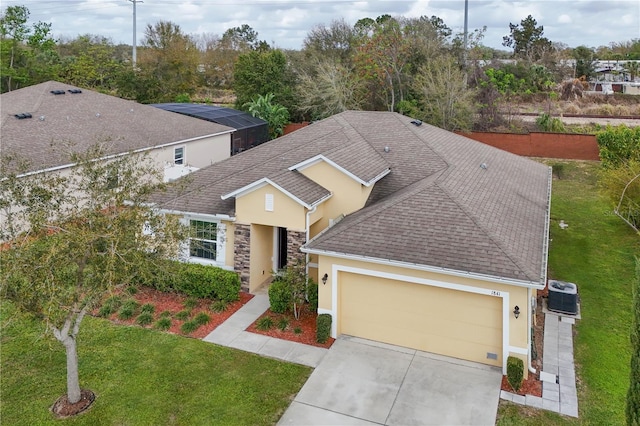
241,254
295,240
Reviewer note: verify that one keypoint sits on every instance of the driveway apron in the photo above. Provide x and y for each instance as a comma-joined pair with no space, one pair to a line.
361,382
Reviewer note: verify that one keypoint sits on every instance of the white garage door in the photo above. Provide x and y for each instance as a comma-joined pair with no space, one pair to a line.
449,322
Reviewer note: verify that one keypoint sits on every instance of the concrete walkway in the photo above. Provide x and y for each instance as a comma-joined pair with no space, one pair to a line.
558,369
232,333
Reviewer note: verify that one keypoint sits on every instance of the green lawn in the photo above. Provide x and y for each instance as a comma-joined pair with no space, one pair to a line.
597,253
140,377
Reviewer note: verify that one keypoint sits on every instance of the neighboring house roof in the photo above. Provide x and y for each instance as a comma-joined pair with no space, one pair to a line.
76,121
239,120
447,202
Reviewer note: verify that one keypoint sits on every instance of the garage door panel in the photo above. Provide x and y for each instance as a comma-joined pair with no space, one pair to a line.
439,320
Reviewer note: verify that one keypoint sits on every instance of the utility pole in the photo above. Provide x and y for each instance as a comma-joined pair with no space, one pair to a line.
466,22
133,53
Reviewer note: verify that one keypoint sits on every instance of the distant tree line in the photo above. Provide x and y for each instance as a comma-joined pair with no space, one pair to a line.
416,66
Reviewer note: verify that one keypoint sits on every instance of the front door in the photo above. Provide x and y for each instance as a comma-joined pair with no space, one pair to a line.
280,249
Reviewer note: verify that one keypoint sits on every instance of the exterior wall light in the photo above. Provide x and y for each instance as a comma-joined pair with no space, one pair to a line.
325,277
516,311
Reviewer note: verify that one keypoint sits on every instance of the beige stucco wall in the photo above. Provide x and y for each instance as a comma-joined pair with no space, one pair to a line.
250,208
198,153
517,328
261,260
347,194
229,241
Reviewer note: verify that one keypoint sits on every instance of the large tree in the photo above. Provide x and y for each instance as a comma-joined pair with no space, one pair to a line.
446,102
27,53
70,238
91,61
169,60
527,40
263,71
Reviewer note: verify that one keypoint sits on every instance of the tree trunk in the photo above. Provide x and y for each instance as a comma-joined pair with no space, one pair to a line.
73,380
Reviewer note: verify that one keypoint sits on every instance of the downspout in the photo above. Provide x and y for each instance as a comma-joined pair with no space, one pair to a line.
307,229
529,366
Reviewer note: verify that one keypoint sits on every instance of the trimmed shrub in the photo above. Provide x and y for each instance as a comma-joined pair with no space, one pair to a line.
264,323
312,295
202,318
515,372
219,306
128,309
280,297
283,323
297,330
183,315
131,290
164,323
202,282
145,318
148,308
323,328
165,314
189,327
110,306
190,303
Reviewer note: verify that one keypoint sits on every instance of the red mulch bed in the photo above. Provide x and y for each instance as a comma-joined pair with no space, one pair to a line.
306,325
174,303
533,385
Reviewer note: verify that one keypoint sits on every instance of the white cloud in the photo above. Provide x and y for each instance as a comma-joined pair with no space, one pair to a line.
286,22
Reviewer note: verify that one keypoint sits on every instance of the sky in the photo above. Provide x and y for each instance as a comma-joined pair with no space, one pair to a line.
285,23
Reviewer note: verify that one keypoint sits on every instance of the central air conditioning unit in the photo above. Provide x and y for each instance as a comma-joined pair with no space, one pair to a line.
563,297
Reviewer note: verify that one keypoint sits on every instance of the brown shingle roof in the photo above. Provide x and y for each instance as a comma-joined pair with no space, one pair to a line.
74,122
485,213
448,202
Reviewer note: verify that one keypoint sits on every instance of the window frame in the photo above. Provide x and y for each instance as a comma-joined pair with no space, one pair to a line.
180,160
220,245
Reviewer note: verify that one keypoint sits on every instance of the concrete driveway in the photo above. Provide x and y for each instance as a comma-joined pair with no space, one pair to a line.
360,382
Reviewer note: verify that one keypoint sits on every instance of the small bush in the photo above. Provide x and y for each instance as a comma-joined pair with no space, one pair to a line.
323,328
183,315
110,306
165,314
189,327
264,323
515,372
132,290
203,282
164,323
297,330
283,323
145,318
219,306
190,303
280,297
148,308
202,318
312,296
128,309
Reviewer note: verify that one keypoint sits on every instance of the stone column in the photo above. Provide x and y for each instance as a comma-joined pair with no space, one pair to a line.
295,240
241,254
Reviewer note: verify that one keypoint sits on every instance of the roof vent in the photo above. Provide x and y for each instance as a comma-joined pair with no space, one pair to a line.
387,149
74,91
416,122
42,118
484,166
58,92
23,115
